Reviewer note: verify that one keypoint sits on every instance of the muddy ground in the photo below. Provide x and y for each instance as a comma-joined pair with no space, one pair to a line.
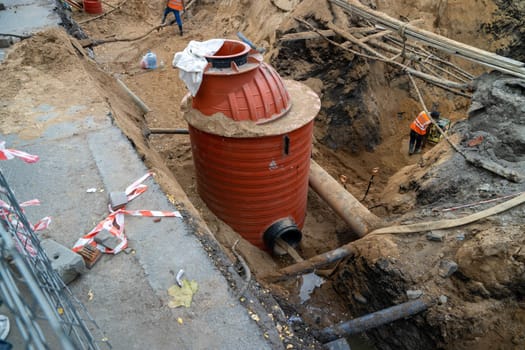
366,110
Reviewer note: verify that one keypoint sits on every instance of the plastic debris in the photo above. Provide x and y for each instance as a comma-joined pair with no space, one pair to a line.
178,279
192,62
149,61
91,190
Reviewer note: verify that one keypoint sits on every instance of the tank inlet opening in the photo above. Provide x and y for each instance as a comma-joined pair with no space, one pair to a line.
285,229
230,51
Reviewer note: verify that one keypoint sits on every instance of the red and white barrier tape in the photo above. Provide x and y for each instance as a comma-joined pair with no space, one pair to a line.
9,153
137,188
114,222
25,245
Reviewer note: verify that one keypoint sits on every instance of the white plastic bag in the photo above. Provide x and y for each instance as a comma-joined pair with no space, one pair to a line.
191,62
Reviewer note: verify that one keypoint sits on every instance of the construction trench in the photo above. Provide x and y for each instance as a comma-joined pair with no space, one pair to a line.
423,252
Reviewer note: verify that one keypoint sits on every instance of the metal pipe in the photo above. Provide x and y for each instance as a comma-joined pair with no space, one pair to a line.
169,131
373,320
356,215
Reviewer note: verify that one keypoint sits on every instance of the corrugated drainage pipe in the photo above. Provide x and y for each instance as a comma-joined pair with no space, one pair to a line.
373,320
356,215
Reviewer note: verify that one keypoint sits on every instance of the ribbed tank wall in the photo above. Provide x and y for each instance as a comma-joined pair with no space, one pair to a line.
250,183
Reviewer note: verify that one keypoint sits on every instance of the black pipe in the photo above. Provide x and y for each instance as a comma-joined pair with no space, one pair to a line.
286,229
373,320
169,131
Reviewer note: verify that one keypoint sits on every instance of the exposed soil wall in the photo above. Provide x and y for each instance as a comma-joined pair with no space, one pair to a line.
484,295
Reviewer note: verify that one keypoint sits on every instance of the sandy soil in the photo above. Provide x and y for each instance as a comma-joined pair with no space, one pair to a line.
390,105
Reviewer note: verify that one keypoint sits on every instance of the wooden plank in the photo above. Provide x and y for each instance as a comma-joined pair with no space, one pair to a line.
289,249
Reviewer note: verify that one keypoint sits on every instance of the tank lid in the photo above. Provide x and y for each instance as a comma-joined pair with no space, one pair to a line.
305,107
237,83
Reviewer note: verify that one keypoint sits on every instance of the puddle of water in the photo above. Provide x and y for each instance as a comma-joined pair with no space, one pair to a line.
310,282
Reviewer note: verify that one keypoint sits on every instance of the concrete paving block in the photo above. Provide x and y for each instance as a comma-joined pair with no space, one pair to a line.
64,261
105,238
117,200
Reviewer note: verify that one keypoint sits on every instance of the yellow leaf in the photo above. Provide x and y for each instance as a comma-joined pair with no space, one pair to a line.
171,198
182,296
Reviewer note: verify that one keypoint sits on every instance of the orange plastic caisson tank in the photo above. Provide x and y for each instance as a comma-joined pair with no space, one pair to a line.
251,136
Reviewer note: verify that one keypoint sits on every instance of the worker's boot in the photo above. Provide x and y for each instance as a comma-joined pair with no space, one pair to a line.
180,30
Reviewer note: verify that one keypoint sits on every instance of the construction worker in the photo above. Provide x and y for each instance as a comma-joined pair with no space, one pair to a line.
418,131
175,6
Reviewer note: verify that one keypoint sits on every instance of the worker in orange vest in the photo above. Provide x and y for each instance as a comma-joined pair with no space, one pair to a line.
175,6
418,131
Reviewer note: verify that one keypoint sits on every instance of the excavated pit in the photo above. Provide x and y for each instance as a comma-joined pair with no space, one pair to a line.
363,124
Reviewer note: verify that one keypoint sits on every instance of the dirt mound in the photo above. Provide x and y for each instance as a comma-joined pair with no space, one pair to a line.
478,306
139,9
48,50
494,259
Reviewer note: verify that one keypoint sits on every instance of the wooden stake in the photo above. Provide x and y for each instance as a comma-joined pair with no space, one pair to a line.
289,249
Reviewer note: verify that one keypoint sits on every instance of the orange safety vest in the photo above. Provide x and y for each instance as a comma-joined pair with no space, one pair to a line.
421,123
175,4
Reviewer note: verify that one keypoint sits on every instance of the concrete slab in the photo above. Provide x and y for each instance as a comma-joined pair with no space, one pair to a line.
129,291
